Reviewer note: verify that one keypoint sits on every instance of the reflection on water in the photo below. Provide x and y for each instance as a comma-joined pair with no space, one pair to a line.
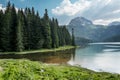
99,57
60,57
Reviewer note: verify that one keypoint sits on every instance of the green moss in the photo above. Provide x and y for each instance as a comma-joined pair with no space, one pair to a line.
28,70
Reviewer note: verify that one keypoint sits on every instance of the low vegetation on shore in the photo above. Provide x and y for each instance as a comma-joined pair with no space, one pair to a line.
28,70
42,50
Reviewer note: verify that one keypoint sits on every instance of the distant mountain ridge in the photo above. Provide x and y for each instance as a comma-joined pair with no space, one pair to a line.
114,23
81,21
84,28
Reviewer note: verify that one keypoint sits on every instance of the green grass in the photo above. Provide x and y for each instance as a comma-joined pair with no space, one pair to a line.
41,50
28,70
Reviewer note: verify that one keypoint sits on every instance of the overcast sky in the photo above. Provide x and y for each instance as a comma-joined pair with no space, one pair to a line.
98,11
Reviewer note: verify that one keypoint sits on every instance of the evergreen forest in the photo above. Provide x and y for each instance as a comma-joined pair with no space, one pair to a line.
26,30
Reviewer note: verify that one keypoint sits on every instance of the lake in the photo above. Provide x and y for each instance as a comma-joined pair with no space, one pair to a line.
99,57
96,56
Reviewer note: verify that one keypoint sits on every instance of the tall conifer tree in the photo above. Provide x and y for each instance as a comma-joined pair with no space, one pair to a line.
6,30
54,33
19,31
73,37
46,31
1,27
13,26
26,30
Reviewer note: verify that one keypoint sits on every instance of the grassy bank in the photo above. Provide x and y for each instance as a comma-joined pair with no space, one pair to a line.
41,50
28,70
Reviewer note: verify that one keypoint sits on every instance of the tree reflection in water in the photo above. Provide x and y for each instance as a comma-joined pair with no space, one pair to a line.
59,57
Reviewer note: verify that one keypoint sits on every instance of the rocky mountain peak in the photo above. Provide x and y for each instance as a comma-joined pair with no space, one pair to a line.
80,21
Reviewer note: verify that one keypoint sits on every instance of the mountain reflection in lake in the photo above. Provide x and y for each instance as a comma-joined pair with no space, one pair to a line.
60,57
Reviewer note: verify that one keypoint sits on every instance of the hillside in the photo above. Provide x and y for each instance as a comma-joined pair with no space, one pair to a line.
113,39
84,28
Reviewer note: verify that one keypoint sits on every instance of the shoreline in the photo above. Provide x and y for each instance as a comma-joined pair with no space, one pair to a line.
42,50
34,70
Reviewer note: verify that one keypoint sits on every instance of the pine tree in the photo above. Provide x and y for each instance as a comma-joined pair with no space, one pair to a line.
67,36
26,30
39,39
61,36
6,30
13,26
54,33
73,38
19,32
46,31
29,29
1,26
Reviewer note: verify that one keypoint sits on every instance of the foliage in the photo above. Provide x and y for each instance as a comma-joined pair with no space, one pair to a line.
46,30
28,70
54,34
73,37
25,30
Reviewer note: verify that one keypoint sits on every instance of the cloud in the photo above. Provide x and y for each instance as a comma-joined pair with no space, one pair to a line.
2,8
66,7
70,9
99,11
105,22
108,1
116,11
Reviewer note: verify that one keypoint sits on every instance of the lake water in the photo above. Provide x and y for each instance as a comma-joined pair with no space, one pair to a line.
96,56
99,57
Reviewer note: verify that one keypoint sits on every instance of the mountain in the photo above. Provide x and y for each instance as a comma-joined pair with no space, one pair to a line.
82,41
80,21
113,39
85,29
80,26
115,23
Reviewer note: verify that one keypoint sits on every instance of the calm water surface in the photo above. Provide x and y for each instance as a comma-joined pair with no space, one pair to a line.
99,57
96,56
